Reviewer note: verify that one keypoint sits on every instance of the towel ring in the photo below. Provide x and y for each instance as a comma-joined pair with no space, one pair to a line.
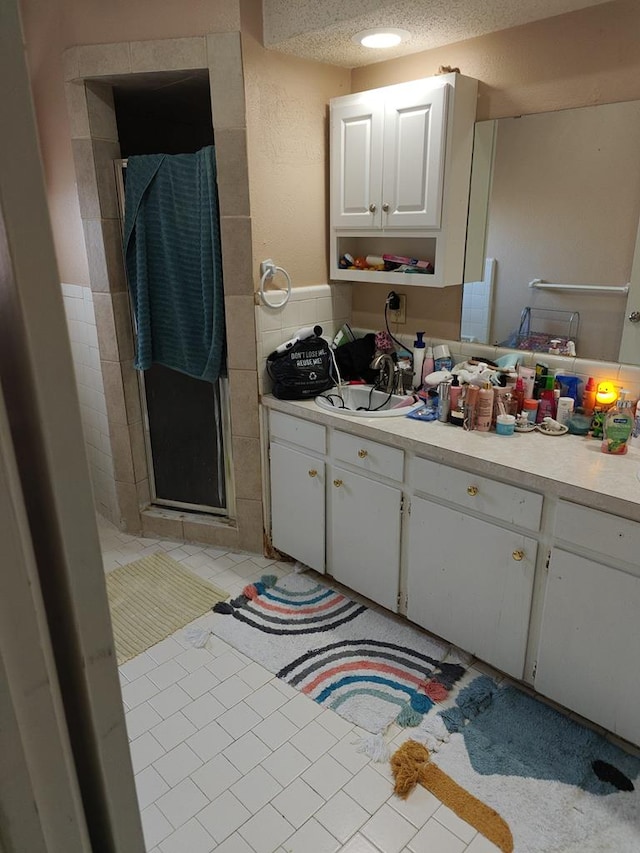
268,270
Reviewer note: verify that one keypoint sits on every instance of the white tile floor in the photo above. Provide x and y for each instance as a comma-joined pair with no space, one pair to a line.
229,758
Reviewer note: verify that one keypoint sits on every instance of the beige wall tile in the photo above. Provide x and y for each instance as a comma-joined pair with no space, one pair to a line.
138,452
104,153
121,450
114,395
144,495
250,525
102,60
124,330
241,332
243,397
105,326
233,176
224,56
114,256
210,532
101,112
94,243
71,63
237,258
77,109
247,467
128,506
131,384
161,523
168,54
86,178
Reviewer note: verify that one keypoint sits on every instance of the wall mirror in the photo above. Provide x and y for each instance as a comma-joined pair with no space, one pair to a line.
556,197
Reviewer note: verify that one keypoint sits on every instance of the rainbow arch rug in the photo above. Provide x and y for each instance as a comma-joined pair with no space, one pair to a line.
369,667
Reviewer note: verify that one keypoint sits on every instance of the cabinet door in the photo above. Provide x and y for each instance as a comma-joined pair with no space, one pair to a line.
297,505
471,583
356,165
414,146
364,536
588,658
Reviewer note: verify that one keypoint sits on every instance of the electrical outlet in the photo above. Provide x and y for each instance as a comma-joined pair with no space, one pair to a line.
400,316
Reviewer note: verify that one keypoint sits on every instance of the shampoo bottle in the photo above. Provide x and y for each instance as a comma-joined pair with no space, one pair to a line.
484,409
418,359
589,396
618,426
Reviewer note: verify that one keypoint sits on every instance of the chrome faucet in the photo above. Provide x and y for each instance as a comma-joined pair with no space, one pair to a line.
390,378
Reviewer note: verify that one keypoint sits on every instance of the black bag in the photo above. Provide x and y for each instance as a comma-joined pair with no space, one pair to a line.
301,372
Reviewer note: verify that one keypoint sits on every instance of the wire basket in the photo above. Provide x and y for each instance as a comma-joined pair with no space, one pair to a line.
539,327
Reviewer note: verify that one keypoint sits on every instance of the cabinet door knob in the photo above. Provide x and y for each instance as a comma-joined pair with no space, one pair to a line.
337,483
518,555
313,473
363,454
472,490
385,207
372,208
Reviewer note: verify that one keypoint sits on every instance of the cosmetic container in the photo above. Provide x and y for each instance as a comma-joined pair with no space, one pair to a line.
505,424
484,409
564,410
530,406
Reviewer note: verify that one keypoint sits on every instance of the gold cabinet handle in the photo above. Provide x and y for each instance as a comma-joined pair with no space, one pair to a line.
337,483
518,555
472,490
313,473
363,454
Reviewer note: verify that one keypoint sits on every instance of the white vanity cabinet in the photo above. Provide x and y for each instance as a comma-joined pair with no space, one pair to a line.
338,511
468,579
363,533
589,650
400,173
298,489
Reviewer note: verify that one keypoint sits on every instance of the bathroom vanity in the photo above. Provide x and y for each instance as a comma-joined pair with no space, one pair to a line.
522,550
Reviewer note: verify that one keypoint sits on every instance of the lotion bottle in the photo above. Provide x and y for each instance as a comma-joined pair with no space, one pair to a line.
428,363
484,408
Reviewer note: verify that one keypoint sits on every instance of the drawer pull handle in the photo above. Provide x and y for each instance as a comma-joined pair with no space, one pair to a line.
363,454
472,490
313,473
337,483
385,207
372,208
518,555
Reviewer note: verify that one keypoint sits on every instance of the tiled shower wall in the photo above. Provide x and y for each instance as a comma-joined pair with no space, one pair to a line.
326,305
81,320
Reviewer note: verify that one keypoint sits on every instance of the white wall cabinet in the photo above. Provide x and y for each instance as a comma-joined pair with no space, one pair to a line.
471,582
389,158
364,535
400,173
590,635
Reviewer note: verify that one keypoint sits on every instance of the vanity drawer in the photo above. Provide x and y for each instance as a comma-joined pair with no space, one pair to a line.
498,500
296,431
614,537
368,455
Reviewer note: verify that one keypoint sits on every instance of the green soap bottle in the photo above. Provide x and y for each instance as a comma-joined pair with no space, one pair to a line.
618,425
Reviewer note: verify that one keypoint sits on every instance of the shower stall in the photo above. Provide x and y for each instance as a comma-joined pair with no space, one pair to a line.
186,421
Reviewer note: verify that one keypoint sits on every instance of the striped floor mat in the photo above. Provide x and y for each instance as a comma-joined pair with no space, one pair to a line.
151,598
371,668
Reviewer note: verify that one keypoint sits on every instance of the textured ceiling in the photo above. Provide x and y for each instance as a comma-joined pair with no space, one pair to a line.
323,29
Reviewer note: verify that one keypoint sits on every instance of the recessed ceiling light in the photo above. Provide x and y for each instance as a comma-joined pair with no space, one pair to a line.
380,37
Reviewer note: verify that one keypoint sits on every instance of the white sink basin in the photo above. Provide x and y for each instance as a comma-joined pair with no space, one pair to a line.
362,401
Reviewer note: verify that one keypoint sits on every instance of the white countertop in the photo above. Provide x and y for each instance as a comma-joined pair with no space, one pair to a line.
568,466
